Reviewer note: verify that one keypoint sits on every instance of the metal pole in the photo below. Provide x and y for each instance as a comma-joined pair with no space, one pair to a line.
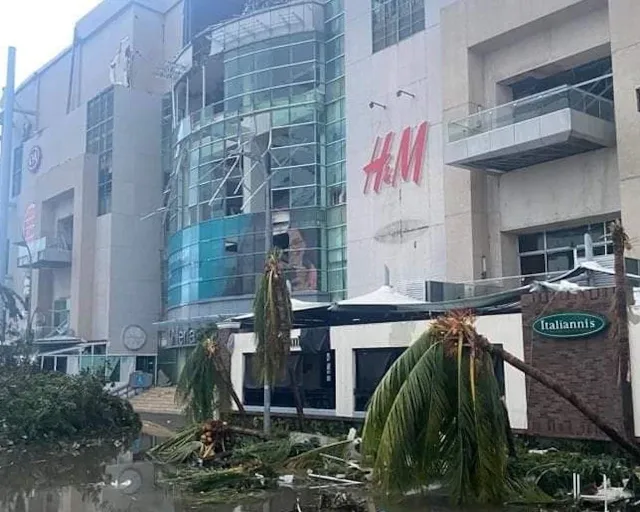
5,161
29,299
204,86
6,150
268,239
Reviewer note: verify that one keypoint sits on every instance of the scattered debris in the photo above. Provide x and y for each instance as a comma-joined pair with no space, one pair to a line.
222,463
543,452
343,481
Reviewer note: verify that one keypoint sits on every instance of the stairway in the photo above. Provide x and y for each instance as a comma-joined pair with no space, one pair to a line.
157,401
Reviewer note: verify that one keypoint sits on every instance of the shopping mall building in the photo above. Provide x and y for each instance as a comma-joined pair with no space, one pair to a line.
448,147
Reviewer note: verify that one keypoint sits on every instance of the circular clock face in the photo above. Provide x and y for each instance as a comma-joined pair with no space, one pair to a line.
134,337
129,481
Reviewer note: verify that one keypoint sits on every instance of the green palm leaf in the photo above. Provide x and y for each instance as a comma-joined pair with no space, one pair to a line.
12,302
199,380
437,415
272,319
389,387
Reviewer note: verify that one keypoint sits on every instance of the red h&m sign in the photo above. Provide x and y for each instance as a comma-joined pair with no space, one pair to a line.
408,163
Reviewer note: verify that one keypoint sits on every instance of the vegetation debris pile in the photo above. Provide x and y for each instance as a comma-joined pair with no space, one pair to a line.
44,407
223,463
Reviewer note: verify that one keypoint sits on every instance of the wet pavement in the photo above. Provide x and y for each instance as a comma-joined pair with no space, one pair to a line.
106,479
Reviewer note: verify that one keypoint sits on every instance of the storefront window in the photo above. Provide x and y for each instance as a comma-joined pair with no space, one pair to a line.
314,375
559,250
371,366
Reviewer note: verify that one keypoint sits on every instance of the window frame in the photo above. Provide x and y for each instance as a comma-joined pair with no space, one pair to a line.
386,17
100,130
16,170
547,251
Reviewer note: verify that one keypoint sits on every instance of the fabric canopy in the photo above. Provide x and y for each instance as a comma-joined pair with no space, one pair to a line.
383,296
296,306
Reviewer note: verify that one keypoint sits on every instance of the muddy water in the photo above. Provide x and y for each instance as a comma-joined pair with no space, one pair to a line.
106,479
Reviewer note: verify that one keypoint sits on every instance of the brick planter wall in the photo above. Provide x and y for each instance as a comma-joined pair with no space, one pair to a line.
586,366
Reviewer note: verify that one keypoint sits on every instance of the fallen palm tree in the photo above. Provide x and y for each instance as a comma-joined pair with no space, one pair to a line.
437,416
202,441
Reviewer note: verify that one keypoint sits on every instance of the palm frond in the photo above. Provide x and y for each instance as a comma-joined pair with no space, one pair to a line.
398,445
272,319
199,380
437,415
389,387
13,303
491,465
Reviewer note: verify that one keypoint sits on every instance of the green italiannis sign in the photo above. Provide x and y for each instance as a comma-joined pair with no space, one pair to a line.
570,325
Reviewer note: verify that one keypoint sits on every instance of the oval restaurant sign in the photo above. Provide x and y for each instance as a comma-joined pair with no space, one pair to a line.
570,325
386,168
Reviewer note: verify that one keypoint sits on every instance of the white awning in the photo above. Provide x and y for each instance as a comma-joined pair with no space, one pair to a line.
383,296
296,306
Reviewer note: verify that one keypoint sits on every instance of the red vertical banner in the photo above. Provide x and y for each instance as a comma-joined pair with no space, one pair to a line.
29,223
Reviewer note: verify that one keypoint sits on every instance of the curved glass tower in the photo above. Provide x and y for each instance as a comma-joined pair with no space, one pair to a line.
250,107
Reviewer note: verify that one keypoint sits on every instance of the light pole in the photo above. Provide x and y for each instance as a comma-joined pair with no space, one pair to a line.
5,170
268,241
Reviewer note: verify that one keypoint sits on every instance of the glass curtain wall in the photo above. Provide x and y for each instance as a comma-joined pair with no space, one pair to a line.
216,210
335,151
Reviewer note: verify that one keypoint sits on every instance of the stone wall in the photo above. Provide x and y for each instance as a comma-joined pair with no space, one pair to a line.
586,366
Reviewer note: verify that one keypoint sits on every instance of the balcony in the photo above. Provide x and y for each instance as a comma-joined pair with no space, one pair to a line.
45,252
555,124
53,327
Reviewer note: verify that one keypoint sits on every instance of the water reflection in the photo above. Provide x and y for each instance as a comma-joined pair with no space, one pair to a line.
92,479
106,479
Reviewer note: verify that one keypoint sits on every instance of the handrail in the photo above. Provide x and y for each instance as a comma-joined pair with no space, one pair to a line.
539,96
125,391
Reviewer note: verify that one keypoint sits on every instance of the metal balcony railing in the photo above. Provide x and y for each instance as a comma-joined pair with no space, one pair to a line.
574,97
53,324
46,252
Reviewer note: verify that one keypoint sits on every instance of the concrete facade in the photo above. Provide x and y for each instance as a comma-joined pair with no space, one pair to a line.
400,227
487,46
435,222
113,279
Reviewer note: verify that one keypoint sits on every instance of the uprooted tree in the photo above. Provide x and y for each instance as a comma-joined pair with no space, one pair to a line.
437,415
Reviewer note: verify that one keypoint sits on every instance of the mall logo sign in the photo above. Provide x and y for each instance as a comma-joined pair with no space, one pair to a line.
570,325
409,160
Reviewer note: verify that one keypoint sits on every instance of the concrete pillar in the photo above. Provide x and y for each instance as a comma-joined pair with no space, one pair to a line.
466,222
625,52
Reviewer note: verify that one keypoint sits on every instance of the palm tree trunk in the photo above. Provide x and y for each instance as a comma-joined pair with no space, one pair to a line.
511,444
622,328
295,387
226,378
628,446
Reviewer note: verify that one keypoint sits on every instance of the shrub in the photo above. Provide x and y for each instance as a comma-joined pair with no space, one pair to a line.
38,406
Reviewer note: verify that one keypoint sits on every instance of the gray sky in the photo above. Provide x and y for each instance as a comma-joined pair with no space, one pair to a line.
39,29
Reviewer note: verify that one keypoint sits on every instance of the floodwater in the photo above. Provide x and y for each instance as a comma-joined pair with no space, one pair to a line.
106,479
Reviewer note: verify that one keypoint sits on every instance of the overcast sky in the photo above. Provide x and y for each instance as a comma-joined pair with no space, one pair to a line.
39,29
